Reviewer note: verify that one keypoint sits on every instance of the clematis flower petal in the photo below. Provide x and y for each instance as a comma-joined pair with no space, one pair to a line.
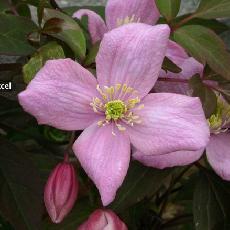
105,158
96,24
60,95
144,11
218,154
178,158
132,55
102,220
170,123
176,53
189,67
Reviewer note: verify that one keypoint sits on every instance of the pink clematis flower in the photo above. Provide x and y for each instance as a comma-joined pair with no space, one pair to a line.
218,148
102,220
120,12
189,67
117,13
115,109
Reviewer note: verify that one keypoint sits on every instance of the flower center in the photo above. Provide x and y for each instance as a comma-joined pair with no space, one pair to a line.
116,103
115,109
220,118
215,122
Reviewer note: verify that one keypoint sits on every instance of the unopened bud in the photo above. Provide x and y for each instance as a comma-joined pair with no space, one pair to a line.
61,191
103,219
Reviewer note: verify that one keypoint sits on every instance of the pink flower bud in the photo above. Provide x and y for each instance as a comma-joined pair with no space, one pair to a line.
103,219
61,191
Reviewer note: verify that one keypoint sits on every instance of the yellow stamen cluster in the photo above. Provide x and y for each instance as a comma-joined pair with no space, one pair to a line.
127,20
220,118
115,110
116,103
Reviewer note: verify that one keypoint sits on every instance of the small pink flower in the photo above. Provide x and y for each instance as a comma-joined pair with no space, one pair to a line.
120,12
102,220
117,13
218,148
189,67
115,109
61,191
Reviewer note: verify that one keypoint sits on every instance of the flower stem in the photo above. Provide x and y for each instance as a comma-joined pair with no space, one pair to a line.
213,87
171,186
12,8
71,141
184,21
178,221
173,80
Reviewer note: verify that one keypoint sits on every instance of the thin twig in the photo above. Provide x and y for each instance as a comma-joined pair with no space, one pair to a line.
12,8
172,184
71,141
184,21
173,80
55,5
174,221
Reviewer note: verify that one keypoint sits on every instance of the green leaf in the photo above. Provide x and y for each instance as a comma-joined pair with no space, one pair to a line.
213,24
4,5
168,65
77,216
45,163
23,10
64,27
36,3
206,95
40,11
169,8
47,52
140,182
55,135
21,190
5,225
90,58
211,204
204,45
213,9
13,35
98,9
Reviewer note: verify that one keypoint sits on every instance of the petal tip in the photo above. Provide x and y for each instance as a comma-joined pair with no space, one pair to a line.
165,29
106,198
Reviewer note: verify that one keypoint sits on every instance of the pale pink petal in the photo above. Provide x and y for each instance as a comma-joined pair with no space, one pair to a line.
170,123
105,158
60,95
179,158
176,53
132,55
218,154
189,67
96,25
103,220
144,11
